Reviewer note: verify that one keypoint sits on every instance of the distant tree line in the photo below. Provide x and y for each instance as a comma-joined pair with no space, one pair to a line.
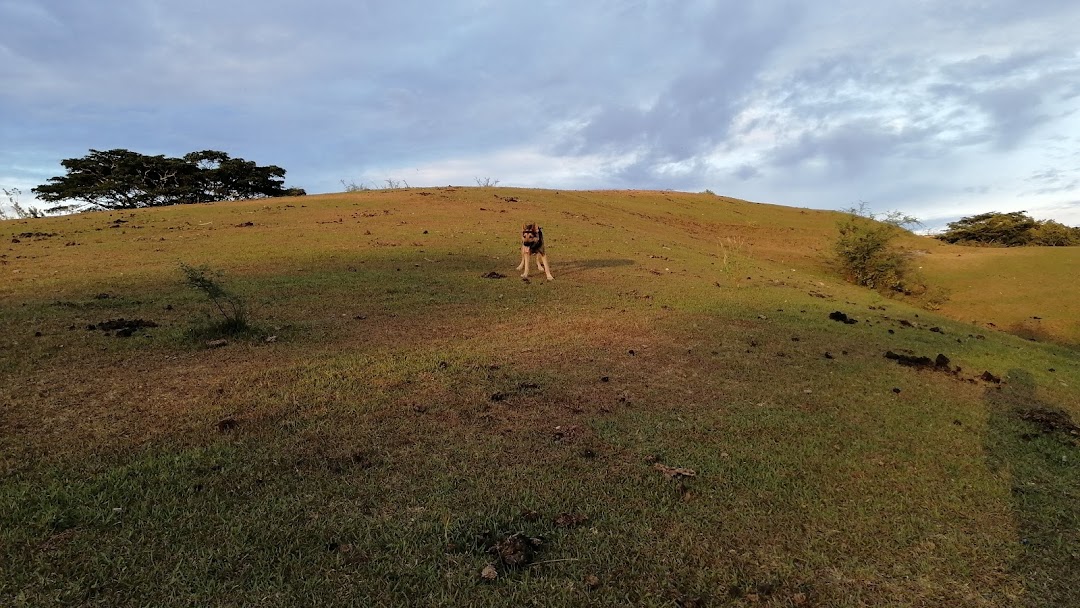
1015,229
122,179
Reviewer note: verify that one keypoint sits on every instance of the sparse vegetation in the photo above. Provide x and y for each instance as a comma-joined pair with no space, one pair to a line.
867,254
628,435
232,308
353,186
487,182
18,211
1015,229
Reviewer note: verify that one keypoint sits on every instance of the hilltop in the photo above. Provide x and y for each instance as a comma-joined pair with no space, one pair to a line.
695,411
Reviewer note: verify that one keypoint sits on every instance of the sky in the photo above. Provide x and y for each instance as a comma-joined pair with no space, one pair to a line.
938,109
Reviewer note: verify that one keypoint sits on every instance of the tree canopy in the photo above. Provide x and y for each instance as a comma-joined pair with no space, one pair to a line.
122,179
1012,229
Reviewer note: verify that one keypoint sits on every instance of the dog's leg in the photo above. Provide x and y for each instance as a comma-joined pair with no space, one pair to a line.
547,268
525,263
524,251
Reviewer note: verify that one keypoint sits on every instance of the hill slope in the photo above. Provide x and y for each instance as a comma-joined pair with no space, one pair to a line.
397,417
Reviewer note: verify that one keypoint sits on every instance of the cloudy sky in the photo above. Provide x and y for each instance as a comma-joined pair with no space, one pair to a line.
935,108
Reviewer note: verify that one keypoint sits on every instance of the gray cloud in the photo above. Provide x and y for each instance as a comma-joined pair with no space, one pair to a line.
824,103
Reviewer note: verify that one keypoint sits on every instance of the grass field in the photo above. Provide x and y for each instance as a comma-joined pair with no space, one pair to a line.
396,422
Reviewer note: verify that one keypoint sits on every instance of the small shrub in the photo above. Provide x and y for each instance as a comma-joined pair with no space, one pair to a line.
867,256
17,210
233,309
936,297
352,186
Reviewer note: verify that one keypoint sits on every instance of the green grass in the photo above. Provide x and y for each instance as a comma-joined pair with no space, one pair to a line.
410,413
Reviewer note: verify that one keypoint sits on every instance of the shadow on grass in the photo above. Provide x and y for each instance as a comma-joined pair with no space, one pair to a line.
576,266
1033,331
1036,443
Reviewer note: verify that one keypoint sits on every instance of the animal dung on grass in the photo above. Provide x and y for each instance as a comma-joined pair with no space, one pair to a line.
124,328
941,363
569,520
841,317
493,275
676,473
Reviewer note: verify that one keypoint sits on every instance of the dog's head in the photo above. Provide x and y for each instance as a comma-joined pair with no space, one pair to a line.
531,234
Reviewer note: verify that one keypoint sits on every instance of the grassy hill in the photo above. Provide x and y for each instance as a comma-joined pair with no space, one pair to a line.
398,421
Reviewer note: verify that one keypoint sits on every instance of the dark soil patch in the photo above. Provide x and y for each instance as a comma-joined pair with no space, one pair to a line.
124,328
1050,421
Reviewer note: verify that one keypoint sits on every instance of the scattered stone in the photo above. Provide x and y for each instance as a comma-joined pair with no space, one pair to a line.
936,330
245,225
828,355
489,573
896,390
592,582
988,377
217,343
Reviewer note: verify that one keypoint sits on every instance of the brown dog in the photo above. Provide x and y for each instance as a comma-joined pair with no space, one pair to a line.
532,243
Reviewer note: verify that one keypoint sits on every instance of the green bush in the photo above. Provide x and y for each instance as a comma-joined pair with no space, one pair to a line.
867,256
1015,229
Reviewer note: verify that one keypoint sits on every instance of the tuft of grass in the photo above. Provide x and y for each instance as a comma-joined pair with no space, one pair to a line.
232,309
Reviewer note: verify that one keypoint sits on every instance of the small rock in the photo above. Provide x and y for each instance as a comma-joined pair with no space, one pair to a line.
489,573
217,343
